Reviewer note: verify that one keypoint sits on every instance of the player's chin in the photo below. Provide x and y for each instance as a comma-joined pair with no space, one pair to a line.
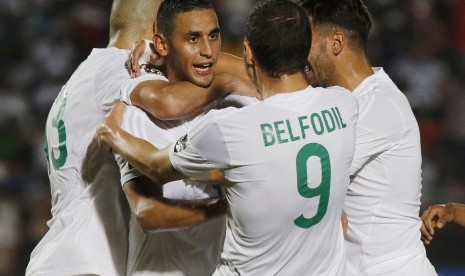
203,81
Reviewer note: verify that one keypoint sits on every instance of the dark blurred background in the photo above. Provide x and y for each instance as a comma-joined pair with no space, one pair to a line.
420,43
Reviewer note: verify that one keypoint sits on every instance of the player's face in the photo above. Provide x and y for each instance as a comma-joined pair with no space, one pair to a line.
194,47
321,60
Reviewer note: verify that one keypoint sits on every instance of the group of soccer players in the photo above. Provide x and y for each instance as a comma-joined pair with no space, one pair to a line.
331,137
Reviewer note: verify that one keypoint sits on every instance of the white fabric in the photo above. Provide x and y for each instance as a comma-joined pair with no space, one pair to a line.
383,200
193,251
262,237
88,230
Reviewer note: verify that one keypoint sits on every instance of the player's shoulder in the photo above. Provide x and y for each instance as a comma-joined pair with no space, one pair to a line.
213,117
108,57
103,63
108,53
336,92
379,90
336,95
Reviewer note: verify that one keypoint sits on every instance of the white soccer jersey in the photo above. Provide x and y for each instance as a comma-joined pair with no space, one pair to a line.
286,162
383,199
88,230
193,251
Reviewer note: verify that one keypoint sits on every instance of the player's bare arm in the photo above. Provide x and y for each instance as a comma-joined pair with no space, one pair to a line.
436,216
155,213
176,100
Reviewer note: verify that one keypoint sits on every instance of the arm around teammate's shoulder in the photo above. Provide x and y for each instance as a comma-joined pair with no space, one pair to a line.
177,100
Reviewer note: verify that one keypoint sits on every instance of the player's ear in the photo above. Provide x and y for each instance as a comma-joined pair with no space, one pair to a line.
161,44
337,42
248,54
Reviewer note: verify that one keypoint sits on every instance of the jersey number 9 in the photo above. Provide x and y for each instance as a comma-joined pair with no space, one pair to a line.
322,190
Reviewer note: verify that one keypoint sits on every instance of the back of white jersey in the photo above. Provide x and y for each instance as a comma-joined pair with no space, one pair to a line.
88,230
286,163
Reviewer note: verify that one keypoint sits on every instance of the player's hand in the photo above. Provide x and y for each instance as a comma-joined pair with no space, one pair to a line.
133,63
436,216
107,132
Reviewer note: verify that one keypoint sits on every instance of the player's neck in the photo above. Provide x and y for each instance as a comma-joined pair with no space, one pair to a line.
269,86
352,70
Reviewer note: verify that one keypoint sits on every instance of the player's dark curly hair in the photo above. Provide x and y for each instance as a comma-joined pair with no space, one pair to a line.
170,8
350,15
279,33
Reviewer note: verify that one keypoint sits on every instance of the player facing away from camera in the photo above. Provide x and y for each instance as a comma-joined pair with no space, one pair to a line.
190,48
383,199
285,160
89,229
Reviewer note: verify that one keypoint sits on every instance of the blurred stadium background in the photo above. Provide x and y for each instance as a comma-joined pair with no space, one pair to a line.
421,44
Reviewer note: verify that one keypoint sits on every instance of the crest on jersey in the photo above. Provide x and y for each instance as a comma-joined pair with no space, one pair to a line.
180,144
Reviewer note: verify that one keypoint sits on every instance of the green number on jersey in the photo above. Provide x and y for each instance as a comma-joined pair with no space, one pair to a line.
59,125
322,190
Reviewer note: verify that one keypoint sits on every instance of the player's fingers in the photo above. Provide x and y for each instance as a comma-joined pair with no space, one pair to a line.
425,241
425,234
431,217
441,222
128,65
429,225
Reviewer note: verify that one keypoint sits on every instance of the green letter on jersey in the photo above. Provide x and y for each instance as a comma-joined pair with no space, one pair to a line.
322,190
58,123
268,136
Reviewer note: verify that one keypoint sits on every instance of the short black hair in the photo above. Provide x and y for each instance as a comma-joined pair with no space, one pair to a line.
279,33
170,8
350,15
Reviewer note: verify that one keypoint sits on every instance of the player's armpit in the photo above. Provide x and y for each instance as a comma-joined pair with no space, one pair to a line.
156,213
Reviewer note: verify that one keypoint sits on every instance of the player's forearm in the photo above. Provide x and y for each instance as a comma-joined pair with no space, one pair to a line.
141,154
165,214
230,64
175,100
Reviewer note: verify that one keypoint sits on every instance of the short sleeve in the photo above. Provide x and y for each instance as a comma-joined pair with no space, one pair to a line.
203,149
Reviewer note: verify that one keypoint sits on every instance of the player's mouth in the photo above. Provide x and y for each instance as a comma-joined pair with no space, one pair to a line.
204,68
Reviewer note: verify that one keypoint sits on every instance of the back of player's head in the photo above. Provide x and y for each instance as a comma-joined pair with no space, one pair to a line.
349,15
278,31
170,8
130,16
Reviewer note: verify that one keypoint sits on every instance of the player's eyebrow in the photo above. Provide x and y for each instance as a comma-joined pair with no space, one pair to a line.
199,33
